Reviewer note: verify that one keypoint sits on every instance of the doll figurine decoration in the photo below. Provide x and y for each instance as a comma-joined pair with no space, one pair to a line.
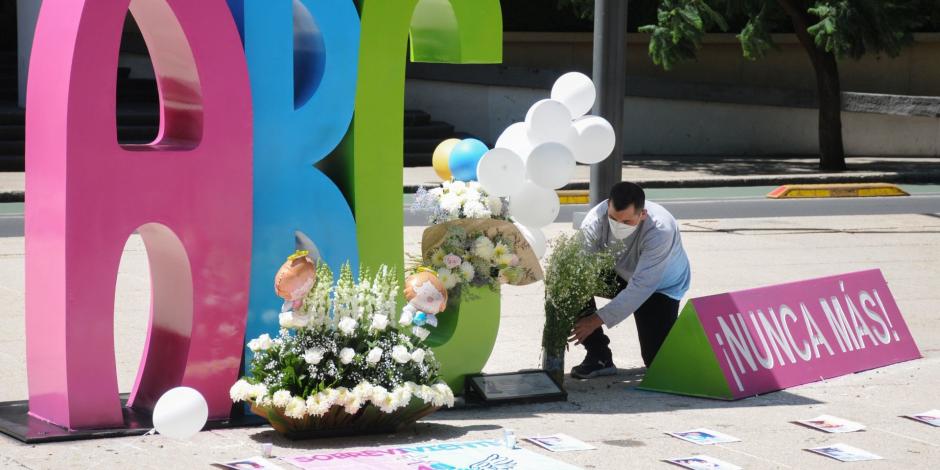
426,298
295,278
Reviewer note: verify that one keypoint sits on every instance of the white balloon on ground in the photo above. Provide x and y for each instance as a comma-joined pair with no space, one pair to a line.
516,139
594,140
500,172
535,237
550,165
576,91
547,121
180,413
534,206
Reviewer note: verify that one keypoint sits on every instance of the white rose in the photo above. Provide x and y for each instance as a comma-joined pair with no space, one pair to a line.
239,391
400,354
281,398
374,355
418,356
313,356
346,355
420,332
379,322
261,343
347,326
286,319
407,315
296,408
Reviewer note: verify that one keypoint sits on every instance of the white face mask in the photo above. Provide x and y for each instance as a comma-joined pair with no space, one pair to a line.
620,230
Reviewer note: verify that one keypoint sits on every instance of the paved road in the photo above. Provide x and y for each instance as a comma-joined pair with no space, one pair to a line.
692,203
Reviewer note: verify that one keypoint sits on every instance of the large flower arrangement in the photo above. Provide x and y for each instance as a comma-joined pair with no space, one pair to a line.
470,257
471,241
344,360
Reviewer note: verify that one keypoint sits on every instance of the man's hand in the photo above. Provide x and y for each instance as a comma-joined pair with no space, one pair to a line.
584,327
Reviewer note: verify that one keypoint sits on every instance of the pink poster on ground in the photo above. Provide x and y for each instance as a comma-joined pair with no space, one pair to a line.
781,336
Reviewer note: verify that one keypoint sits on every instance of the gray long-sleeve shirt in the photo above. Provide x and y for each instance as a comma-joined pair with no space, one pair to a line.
651,259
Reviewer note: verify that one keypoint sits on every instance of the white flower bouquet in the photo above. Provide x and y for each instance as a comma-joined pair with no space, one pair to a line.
459,200
344,362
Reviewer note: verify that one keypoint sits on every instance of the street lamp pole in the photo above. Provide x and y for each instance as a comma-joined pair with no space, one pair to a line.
610,32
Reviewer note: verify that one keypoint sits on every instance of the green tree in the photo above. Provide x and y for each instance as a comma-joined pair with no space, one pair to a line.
828,30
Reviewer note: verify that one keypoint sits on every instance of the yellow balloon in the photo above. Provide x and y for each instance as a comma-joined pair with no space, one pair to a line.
441,159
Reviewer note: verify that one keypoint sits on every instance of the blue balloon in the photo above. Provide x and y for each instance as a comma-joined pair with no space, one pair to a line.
464,158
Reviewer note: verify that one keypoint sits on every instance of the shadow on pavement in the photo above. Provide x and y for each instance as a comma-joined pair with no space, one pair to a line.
420,432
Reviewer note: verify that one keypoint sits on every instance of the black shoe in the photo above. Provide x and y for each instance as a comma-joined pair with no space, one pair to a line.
592,368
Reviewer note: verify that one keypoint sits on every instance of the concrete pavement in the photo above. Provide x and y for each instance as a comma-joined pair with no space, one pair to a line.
626,425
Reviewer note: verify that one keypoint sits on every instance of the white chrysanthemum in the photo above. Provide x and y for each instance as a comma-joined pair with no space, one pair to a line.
504,260
257,391
458,187
500,249
436,193
420,332
443,395
467,271
379,322
347,326
402,395
378,393
342,394
475,209
318,405
240,391
483,248
425,393
313,356
494,204
261,343
296,408
363,389
418,356
474,185
400,354
346,355
437,258
447,278
353,403
375,354
281,398
445,186
450,203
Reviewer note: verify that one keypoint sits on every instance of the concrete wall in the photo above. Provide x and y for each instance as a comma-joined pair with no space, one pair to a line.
678,127
916,71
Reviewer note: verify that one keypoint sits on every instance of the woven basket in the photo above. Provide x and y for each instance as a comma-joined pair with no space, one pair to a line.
337,422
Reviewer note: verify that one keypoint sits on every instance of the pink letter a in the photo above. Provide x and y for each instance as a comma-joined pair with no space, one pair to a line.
188,194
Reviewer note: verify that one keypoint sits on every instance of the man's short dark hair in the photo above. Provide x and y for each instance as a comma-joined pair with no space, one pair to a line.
625,194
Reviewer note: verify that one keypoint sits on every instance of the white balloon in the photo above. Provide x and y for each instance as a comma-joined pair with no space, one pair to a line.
534,206
516,139
180,413
500,172
576,91
547,121
550,165
535,237
594,140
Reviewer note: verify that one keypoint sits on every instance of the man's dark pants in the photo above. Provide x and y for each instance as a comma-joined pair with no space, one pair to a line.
654,319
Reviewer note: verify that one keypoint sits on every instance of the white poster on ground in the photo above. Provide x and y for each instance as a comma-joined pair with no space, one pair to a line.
483,454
